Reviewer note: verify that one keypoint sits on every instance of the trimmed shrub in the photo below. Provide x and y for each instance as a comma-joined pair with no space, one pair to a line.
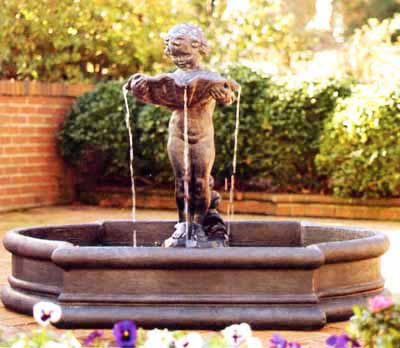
153,127
280,127
94,137
281,123
360,149
279,134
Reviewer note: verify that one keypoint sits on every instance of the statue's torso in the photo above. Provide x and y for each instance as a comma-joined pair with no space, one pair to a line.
200,124
200,113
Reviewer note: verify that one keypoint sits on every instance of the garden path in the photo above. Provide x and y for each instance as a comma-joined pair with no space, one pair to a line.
11,322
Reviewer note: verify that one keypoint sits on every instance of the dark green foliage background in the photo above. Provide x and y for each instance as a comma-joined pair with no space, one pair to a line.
96,123
279,134
153,125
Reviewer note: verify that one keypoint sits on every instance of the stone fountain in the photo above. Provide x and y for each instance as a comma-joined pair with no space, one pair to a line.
209,273
191,93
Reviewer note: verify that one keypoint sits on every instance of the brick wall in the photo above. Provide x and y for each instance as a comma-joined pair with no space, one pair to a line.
32,172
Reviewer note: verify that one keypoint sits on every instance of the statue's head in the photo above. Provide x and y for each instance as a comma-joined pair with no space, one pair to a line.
186,44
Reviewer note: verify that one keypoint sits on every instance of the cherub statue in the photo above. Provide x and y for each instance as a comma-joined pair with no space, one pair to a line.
186,44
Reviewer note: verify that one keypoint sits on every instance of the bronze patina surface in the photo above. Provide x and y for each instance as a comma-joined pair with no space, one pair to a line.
185,44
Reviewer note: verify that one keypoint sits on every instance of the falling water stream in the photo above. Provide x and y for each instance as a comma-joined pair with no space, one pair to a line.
231,211
131,160
186,162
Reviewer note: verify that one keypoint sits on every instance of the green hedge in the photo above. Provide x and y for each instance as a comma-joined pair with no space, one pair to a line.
152,122
280,128
360,150
94,136
278,138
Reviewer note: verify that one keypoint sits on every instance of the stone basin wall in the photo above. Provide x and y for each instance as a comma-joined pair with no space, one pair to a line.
32,172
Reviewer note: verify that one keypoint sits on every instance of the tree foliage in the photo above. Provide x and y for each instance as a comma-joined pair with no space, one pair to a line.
355,13
262,30
80,40
373,51
92,40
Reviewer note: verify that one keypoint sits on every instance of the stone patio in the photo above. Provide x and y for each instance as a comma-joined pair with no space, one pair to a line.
11,322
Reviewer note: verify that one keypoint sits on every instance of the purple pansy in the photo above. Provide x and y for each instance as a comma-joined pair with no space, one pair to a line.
341,341
92,336
125,333
277,341
294,345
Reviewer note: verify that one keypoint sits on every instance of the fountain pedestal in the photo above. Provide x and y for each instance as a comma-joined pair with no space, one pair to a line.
275,275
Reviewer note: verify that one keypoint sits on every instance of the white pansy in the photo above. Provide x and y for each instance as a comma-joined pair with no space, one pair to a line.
253,342
21,343
236,334
192,340
54,344
158,338
46,313
154,342
70,340
160,334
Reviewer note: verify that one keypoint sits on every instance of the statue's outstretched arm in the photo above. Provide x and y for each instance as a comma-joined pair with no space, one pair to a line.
139,86
223,93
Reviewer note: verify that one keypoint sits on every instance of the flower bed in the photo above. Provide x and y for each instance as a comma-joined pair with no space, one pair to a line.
376,325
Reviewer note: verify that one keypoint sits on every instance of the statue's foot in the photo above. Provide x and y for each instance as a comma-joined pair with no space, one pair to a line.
216,242
197,232
217,235
198,237
178,238
201,240
216,229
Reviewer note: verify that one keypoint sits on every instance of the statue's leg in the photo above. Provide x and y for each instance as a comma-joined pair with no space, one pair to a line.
175,153
202,157
205,213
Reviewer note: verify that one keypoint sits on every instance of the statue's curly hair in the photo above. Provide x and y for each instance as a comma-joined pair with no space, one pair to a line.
191,30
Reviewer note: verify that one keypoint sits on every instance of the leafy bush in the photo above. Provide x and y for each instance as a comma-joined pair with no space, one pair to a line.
279,132
153,126
94,137
278,138
280,127
360,148
251,138
378,324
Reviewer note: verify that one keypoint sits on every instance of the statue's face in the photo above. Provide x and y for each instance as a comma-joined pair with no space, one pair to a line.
185,51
